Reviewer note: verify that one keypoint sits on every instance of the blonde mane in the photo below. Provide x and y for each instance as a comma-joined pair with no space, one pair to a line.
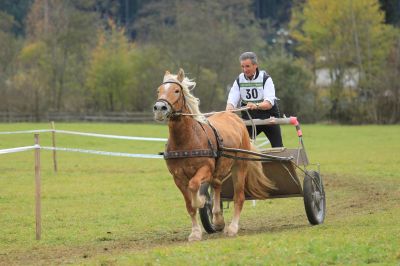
192,103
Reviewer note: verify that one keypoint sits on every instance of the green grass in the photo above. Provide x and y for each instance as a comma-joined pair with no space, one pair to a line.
110,210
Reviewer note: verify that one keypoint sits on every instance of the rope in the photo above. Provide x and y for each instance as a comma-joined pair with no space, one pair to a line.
19,149
25,131
109,136
84,134
108,153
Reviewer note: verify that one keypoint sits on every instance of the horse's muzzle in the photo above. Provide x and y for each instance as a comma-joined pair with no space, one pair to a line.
161,110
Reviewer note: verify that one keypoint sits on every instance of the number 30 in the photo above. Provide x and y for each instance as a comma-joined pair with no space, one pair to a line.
254,93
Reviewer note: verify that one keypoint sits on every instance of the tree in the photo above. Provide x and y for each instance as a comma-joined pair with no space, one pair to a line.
10,46
109,71
292,82
148,64
342,36
205,38
17,10
67,33
389,98
29,84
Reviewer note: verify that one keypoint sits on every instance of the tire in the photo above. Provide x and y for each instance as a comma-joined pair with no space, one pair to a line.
314,197
206,212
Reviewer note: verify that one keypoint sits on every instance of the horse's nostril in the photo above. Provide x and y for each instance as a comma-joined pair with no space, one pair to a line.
164,108
155,108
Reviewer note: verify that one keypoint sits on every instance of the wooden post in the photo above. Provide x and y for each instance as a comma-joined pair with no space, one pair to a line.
54,146
38,190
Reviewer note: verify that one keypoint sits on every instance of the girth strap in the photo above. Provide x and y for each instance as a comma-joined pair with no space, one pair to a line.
189,154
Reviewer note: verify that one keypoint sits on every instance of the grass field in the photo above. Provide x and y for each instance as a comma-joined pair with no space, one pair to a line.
100,210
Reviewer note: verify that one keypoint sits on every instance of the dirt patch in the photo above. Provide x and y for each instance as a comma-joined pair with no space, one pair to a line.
346,196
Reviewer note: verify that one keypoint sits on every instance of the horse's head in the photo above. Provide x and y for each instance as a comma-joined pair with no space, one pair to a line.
170,96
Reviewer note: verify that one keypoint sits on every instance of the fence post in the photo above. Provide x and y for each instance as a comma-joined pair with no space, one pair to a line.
38,190
54,146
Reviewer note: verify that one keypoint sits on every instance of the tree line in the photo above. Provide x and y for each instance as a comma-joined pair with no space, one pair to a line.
81,56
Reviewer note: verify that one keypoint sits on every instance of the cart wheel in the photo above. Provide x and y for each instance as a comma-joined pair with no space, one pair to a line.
314,197
206,212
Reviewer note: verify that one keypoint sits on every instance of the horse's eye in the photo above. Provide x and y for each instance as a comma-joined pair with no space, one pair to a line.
176,91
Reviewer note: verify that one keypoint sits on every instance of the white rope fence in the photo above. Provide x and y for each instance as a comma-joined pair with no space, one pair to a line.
19,149
107,153
37,149
97,152
38,203
25,131
83,134
109,136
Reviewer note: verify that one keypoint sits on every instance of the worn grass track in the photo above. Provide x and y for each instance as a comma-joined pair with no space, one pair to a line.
107,210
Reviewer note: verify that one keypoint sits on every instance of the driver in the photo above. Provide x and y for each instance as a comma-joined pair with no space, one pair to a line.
255,89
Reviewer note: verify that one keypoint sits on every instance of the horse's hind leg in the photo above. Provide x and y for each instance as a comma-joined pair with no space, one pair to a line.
196,233
238,178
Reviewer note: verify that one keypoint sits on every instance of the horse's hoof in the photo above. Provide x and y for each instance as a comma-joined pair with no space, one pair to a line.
195,236
219,223
219,227
231,231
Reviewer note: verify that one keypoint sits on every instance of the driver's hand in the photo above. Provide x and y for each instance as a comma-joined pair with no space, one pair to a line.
229,107
251,106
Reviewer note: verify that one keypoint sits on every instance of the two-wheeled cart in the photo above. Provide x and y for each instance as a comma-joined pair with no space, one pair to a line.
286,167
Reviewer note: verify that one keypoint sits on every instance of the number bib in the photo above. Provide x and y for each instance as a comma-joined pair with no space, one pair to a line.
252,90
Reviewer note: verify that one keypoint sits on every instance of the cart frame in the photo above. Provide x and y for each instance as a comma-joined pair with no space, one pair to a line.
284,172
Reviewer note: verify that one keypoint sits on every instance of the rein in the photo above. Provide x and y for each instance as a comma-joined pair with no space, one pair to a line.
180,113
217,112
211,151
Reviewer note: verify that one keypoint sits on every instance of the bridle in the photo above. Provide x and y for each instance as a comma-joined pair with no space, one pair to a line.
173,112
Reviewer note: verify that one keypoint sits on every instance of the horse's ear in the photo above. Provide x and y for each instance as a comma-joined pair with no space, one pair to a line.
181,75
167,73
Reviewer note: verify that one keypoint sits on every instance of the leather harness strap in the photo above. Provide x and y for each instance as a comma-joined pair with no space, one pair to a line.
211,152
188,154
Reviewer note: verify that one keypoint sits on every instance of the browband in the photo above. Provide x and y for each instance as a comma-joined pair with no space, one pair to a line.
174,82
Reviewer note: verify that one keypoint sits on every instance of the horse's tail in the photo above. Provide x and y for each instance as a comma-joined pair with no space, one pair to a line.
257,185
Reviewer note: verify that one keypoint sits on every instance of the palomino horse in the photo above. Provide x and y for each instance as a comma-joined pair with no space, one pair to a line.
192,154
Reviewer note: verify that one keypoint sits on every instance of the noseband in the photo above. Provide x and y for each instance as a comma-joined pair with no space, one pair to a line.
174,113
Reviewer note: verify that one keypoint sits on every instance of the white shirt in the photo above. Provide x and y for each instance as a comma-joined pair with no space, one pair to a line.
235,96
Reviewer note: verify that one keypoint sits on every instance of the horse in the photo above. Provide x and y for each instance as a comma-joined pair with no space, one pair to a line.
192,155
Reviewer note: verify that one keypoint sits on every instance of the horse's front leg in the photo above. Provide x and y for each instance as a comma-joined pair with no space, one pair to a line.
203,174
218,218
196,233
238,178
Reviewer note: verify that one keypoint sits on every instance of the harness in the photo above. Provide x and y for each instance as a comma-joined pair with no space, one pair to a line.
211,152
174,113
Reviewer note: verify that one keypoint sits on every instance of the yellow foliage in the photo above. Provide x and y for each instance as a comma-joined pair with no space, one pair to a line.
109,70
32,52
344,31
